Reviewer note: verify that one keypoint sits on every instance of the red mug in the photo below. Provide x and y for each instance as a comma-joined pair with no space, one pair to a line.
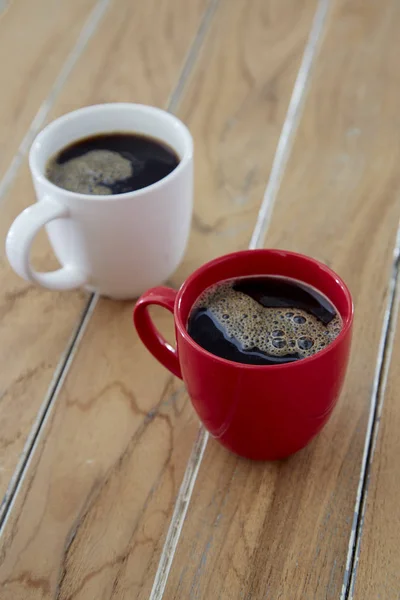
260,412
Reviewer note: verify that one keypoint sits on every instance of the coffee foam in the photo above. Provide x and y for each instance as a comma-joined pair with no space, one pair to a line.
275,331
91,173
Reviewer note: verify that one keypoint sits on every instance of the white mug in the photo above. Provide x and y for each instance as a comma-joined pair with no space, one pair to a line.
117,245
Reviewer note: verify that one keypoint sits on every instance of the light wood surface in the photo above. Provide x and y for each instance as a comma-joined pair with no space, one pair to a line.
100,489
36,326
377,564
282,531
36,39
89,506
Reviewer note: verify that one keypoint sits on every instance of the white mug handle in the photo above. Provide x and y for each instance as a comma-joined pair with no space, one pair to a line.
19,241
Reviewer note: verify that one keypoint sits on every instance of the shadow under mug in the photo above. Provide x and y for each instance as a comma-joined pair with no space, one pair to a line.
259,412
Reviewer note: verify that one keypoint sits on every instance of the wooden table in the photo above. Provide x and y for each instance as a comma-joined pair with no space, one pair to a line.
110,488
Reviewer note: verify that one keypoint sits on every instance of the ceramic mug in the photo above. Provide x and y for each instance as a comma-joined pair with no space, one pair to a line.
116,245
259,412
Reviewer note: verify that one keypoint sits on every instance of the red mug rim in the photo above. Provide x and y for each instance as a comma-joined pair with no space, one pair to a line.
347,322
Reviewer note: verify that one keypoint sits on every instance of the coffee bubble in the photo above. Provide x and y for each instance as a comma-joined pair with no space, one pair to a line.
274,331
92,173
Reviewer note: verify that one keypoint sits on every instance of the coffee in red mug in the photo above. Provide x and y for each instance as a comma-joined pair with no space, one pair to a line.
265,380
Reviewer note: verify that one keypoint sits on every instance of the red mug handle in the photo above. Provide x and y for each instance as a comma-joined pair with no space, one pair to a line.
150,336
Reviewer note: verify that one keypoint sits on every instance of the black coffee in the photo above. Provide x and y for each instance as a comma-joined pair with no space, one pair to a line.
263,320
111,163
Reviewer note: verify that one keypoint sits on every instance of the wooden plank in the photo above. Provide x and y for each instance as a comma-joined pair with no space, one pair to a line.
377,563
35,41
100,490
281,530
36,325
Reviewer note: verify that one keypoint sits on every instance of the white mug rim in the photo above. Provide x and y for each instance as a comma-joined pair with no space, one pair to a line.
38,172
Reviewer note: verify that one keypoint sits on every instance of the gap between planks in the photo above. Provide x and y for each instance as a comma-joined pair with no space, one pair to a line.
4,4
375,411
282,154
89,29
66,360
44,411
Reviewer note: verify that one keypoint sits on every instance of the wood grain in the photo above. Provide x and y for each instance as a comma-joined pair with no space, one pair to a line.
35,41
377,567
36,325
99,493
281,531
